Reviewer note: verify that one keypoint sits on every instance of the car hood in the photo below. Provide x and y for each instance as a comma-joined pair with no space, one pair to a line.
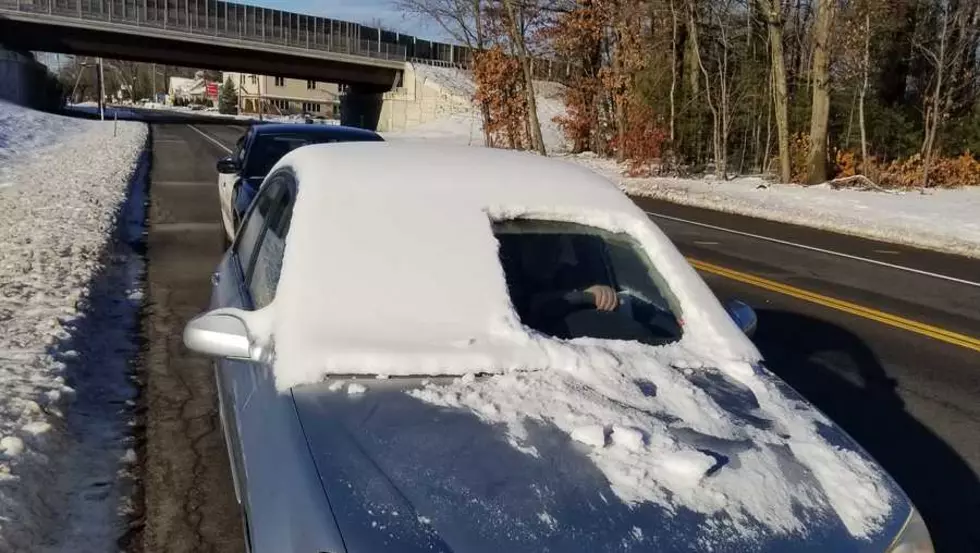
404,473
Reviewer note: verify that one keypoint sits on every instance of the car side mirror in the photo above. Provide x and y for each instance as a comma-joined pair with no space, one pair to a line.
228,166
221,333
743,315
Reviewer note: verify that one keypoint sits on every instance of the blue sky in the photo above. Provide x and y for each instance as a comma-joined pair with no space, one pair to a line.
367,12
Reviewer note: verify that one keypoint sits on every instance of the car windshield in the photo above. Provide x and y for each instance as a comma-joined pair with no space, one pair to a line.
571,281
268,149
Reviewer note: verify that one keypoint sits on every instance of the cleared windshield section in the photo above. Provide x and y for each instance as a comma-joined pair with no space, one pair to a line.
570,281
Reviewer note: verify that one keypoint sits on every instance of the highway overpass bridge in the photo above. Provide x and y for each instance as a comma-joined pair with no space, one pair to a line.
213,34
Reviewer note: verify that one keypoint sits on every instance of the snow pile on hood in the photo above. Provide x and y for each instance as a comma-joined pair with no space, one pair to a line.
659,437
67,179
386,276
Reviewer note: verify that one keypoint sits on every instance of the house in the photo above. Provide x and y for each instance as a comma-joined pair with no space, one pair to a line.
284,96
190,90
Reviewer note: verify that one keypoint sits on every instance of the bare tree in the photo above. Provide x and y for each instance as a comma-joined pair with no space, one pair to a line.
865,70
463,21
773,13
718,106
820,108
946,54
673,69
516,29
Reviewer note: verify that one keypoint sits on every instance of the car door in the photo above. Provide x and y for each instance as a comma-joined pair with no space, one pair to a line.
258,246
283,507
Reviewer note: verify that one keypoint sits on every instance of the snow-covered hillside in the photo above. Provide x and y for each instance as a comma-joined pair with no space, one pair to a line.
465,126
69,298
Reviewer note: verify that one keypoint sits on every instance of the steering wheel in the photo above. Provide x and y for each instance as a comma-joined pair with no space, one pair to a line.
586,300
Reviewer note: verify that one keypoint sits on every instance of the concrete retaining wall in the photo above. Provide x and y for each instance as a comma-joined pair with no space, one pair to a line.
419,100
26,82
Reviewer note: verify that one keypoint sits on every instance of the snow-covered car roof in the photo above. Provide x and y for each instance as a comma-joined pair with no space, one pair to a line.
391,264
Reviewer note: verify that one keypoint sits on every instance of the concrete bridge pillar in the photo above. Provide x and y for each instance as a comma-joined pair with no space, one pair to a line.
360,106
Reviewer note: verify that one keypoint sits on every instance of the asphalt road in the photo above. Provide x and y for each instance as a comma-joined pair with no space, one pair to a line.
884,338
189,501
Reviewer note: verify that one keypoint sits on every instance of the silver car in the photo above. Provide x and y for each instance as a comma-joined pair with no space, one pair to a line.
471,350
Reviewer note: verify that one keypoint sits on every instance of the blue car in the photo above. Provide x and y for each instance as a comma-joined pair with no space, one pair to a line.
426,349
261,147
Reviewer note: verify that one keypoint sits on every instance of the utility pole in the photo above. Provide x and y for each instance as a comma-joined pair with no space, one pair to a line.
101,78
153,78
262,81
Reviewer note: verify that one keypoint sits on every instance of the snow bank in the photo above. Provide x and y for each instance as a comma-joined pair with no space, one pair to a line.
25,132
944,220
66,306
466,127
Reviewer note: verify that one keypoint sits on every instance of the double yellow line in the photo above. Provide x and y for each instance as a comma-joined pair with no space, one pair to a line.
934,332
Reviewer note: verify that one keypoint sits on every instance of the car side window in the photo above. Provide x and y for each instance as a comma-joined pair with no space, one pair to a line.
272,245
239,154
254,224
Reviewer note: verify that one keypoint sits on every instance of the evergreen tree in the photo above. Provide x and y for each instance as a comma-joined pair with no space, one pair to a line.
228,98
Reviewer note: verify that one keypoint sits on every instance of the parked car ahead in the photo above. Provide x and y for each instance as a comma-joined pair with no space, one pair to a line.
241,173
473,350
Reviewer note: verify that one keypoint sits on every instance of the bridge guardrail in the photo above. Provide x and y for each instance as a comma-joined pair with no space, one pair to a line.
216,18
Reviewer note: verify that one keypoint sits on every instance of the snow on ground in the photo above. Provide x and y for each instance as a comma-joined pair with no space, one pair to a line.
23,132
69,298
945,220
466,128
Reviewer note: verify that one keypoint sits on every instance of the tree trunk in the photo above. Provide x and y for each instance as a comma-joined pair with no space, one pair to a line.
619,103
850,120
716,120
673,71
780,96
935,107
866,68
484,104
517,36
769,109
820,108
722,139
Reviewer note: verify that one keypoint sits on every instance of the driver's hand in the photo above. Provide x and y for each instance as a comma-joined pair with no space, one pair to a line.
605,297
